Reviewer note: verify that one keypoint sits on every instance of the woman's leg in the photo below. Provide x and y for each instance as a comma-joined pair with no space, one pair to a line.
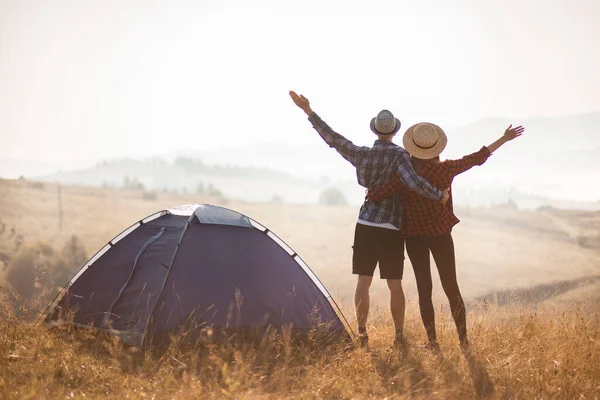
442,248
418,252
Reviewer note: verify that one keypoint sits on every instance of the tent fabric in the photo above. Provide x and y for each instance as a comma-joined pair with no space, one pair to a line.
202,265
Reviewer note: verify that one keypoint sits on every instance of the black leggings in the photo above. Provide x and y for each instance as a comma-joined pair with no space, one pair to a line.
442,248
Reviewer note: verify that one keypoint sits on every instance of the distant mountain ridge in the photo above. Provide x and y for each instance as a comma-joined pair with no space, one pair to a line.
188,175
556,158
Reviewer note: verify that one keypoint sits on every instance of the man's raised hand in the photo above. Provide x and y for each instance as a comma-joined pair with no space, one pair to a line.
511,133
301,102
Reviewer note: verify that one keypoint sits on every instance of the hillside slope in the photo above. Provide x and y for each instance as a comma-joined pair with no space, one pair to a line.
497,248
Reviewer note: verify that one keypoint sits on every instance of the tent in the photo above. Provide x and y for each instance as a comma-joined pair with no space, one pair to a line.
198,266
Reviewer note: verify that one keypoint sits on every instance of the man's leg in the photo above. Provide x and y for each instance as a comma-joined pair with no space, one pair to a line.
362,301
397,306
364,261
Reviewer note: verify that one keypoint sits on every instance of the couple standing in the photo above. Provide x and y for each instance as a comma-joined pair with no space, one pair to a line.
409,199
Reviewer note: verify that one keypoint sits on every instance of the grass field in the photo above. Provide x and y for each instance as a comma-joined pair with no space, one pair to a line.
530,278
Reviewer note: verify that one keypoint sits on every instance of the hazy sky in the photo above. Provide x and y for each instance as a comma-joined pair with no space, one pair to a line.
84,80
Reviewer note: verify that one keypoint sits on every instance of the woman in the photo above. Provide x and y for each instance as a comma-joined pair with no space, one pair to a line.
427,225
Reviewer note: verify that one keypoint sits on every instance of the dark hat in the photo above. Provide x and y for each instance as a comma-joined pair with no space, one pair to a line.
385,123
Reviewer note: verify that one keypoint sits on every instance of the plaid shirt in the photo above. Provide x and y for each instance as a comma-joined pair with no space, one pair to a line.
375,165
423,217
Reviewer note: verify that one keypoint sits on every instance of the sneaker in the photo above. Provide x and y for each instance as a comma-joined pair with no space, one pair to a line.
399,341
432,346
363,342
465,346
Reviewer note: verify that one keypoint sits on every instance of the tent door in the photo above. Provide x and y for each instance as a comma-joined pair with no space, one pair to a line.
129,313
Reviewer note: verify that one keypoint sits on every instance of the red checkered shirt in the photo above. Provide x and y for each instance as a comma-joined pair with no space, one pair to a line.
421,216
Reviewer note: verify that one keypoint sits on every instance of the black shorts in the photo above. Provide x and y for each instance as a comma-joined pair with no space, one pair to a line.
372,245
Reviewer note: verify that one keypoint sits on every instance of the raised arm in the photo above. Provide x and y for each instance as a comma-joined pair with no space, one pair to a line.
345,147
509,134
417,183
456,167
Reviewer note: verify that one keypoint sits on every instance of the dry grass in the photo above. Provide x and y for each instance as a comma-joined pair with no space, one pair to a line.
517,354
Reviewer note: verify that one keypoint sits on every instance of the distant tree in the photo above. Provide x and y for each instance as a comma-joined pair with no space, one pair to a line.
64,264
213,191
332,196
189,165
132,184
200,188
150,196
508,205
74,252
276,199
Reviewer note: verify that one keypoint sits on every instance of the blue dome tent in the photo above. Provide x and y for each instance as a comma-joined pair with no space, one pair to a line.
203,265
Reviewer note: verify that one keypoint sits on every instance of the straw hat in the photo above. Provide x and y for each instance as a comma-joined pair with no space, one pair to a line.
385,123
424,140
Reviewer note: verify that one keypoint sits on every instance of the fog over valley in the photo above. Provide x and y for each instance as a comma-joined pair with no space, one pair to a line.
554,163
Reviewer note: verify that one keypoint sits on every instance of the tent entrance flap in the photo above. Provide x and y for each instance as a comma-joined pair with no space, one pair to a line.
130,312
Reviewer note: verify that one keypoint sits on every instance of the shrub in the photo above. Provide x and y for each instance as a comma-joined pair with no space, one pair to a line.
27,270
332,197
4,260
37,185
38,267
276,199
583,241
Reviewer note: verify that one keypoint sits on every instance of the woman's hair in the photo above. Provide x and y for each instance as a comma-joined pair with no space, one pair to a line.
419,163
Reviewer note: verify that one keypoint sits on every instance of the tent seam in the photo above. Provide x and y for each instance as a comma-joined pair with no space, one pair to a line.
148,243
172,264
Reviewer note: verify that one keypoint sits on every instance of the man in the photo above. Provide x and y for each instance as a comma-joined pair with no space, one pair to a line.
377,236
